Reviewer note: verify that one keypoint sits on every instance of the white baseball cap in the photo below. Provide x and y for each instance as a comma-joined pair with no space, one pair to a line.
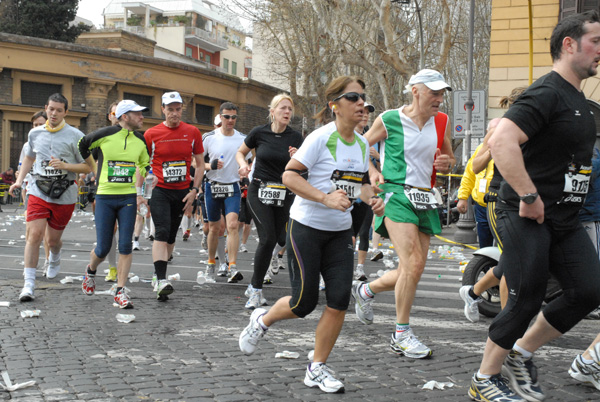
369,107
217,120
126,106
171,97
431,78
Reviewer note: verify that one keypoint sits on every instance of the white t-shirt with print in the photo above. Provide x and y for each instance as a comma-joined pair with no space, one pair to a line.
322,152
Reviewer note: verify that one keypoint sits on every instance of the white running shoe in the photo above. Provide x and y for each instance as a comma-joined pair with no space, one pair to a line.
359,273
274,267
243,248
223,270
53,268
254,300
471,305
210,272
322,376
268,280
588,373
27,292
253,333
362,307
321,283
409,345
154,282
163,289
136,245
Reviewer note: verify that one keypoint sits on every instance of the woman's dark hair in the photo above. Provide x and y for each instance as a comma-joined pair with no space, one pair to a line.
41,113
335,89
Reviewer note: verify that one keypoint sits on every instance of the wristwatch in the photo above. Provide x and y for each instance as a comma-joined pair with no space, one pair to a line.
529,198
195,188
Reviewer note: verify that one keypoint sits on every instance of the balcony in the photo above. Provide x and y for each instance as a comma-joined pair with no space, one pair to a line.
205,40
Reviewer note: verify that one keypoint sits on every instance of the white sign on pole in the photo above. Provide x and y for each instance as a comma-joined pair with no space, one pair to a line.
459,114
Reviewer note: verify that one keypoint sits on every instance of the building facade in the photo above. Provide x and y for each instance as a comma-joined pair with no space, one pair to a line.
92,78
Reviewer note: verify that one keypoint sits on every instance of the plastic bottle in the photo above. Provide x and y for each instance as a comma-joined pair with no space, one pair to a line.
143,210
148,185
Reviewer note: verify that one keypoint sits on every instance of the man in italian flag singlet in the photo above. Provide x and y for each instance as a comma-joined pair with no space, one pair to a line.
415,143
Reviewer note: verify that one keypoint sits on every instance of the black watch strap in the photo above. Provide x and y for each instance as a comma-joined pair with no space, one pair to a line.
529,198
195,188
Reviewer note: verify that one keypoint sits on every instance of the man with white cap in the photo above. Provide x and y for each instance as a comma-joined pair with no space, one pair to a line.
121,149
415,143
172,144
56,163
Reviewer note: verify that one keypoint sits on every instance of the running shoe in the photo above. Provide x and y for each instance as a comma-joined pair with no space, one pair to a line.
89,283
522,375
409,345
243,248
154,282
471,305
253,296
322,376
253,333
112,275
594,314
210,272
163,290
45,268
494,389
267,280
136,245
274,267
280,263
205,242
27,292
53,268
122,299
588,373
234,275
377,255
263,301
359,273
186,235
223,270
362,307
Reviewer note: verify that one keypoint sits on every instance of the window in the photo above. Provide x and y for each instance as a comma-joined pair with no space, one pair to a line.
19,131
188,51
207,58
37,93
226,64
144,100
233,68
568,7
204,114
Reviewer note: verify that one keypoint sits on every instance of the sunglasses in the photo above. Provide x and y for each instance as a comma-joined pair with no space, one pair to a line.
229,116
351,96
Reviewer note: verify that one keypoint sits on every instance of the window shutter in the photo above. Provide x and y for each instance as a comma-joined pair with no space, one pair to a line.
567,7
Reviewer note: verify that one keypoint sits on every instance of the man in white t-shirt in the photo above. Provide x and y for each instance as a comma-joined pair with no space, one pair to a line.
222,191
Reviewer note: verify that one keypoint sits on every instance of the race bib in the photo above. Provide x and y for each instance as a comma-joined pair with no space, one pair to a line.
49,172
350,182
174,171
420,198
577,183
120,172
272,194
219,191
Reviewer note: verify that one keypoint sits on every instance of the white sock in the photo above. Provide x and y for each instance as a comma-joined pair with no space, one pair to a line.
586,361
221,249
53,258
314,365
483,376
262,323
29,274
185,223
526,354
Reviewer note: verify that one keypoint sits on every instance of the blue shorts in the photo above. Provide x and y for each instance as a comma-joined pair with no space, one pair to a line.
109,210
216,206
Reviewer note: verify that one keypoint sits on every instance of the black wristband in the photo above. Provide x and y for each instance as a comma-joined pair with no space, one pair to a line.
195,188
213,164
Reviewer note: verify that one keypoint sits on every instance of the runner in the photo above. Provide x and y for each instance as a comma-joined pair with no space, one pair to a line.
172,144
56,162
268,199
416,143
543,147
121,150
319,238
223,190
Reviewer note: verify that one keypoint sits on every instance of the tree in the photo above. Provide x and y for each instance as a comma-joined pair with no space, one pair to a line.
49,19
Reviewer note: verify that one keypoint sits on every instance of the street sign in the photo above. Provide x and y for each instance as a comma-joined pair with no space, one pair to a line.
459,114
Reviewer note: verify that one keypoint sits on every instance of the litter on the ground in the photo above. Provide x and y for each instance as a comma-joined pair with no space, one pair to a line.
9,386
286,354
30,313
430,385
125,318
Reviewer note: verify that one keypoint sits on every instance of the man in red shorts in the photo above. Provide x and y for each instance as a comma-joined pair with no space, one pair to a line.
56,163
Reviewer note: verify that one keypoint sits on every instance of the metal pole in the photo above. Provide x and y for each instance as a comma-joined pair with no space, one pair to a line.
421,48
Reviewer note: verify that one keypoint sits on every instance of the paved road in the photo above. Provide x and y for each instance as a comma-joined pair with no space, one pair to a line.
187,349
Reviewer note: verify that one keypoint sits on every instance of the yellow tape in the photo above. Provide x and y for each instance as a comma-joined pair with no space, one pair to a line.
454,242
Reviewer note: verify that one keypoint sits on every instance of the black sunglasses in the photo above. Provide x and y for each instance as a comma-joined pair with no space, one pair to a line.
351,96
229,116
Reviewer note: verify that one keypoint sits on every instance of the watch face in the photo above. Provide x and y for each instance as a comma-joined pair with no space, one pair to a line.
529,199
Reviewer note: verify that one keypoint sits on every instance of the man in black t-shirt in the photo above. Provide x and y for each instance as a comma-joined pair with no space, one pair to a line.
543,147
